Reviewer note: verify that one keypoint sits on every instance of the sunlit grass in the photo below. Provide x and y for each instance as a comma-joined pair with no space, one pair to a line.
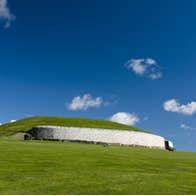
27,123
43,167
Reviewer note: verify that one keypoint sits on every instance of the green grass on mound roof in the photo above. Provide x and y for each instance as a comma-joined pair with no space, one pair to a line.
27,123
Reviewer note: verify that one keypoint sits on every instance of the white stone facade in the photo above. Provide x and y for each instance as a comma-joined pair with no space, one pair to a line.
109,136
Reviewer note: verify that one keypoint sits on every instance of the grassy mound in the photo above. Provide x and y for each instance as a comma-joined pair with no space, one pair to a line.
42,167
27,123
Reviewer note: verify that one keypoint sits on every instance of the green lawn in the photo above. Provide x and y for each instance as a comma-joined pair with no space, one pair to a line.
27,123
43,167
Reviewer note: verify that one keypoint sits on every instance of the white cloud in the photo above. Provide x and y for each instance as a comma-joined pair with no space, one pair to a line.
145,67
85,102
174,106
151,61
187,127
137,66
12,121
5,13
125,118
155,76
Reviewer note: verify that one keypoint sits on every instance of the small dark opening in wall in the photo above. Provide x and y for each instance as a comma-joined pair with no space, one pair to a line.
167,146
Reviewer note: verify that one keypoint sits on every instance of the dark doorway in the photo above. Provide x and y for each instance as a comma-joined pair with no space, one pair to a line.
167,146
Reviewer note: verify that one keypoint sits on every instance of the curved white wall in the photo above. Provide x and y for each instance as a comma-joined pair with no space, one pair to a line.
121,137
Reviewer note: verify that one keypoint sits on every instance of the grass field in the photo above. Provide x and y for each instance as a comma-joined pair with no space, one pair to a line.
27,123
43,167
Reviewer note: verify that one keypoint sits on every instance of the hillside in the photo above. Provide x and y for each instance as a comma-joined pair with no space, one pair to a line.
27,123
43,167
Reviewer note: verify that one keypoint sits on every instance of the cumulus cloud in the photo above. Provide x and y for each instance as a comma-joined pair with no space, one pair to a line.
125,118
85,102
145,67
174,106
5,13
187,127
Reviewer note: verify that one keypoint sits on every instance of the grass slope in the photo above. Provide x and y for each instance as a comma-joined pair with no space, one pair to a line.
43,167
27,123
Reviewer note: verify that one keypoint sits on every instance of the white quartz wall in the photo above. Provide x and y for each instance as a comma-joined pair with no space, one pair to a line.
121,137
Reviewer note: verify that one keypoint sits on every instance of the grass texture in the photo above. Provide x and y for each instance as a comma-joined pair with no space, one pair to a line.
43,167
27,123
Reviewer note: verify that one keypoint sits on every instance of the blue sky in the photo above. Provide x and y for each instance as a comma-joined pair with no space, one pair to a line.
55,51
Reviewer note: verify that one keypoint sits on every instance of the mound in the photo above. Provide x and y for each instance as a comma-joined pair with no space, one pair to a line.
26,124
